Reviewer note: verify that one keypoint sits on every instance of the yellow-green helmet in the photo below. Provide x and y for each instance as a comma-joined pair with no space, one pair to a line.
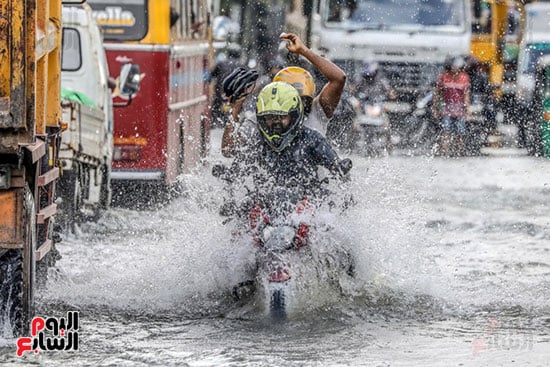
279,99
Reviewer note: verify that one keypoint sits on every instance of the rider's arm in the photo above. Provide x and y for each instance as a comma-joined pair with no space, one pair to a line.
331,92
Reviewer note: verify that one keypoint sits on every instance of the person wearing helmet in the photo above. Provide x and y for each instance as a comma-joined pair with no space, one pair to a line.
451,103
372,84
318,109
284,153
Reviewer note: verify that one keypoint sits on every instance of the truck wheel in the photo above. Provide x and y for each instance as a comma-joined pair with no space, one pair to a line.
18,270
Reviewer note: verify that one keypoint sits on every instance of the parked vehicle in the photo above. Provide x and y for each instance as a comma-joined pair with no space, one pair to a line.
30,134
87,143
165,131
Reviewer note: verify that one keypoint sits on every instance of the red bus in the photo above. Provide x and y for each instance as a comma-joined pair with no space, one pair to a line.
165,130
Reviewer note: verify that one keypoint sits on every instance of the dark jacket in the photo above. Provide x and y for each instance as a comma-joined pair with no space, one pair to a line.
293,172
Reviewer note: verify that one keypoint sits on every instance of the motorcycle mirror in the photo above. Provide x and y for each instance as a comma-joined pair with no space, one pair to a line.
129,79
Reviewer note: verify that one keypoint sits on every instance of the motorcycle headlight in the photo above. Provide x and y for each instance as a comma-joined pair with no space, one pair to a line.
373,110
279,238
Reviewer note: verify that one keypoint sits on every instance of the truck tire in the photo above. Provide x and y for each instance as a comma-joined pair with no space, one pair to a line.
17,267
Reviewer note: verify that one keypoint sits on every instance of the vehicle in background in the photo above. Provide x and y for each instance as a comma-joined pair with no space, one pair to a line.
489,21
30,135
165,131
371,126
535,44
87,142
514,33
410,39
542,103
537,130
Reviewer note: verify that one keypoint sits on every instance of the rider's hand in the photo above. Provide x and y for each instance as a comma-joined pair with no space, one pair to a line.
293,43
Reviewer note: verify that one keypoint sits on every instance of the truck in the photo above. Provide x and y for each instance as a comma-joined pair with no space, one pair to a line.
489,24
30,136
87,100
409,39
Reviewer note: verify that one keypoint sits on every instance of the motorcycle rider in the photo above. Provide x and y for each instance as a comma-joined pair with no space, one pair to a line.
373,85
318,109
373,89
283,155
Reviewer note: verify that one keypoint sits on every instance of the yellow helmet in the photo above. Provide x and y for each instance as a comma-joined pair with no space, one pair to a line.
299,78
279,99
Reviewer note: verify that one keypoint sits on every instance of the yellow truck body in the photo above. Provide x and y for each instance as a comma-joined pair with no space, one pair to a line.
30,128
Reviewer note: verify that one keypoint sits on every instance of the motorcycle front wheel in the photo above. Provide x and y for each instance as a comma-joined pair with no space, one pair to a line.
277,304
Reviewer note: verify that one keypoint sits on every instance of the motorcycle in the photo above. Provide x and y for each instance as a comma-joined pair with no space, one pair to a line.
281,233
420,129
371,125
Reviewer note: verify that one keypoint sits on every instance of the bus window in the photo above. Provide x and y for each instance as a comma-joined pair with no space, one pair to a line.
193,22
71,56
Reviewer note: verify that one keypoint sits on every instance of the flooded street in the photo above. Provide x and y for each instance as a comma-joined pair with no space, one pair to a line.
452,269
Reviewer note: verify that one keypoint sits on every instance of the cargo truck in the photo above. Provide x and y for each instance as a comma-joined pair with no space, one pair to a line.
30,136
87,100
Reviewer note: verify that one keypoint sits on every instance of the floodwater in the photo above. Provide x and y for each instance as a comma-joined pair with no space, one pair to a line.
452,269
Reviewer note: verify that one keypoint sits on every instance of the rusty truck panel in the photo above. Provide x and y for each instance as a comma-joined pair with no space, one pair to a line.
29,80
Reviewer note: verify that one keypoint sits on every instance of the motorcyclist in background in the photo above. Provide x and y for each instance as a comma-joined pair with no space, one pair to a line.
373,85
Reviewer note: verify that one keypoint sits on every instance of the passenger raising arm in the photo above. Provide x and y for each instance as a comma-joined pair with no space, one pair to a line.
329,97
